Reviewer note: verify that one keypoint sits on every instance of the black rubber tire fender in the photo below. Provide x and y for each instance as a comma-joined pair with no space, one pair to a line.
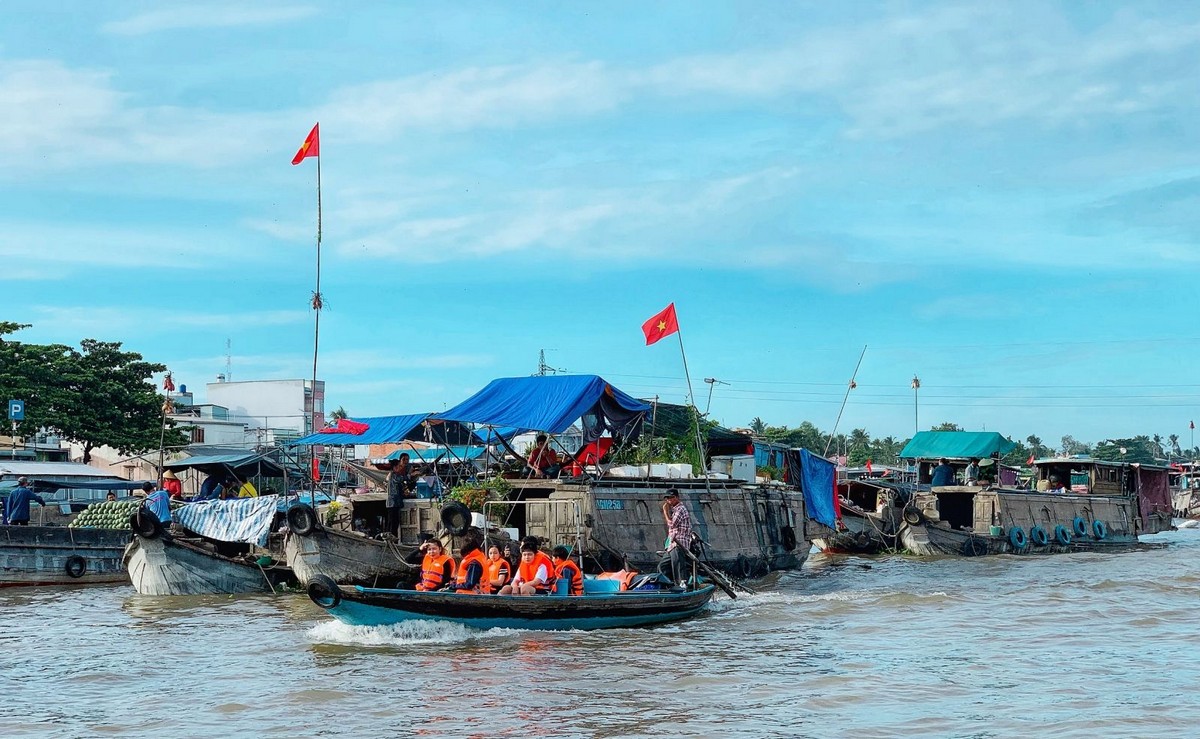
145,524
974,547
913,516
456,518
302,519
76,566
323,591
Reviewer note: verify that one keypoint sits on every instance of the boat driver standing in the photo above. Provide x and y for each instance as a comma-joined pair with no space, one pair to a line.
679,536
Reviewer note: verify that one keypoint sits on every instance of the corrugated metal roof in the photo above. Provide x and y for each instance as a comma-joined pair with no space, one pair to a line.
51,469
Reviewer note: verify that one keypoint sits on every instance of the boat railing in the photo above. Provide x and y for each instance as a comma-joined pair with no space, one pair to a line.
548,504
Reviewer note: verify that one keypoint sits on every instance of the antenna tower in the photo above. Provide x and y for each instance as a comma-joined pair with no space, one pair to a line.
228,360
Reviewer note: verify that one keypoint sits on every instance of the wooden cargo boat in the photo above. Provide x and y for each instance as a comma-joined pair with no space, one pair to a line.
344,556
360,606
59,555
217,548
1109,505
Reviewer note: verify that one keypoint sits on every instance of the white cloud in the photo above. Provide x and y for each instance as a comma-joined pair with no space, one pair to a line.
106,321
206,16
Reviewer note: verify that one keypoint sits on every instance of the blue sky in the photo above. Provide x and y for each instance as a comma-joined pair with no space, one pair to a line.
998,198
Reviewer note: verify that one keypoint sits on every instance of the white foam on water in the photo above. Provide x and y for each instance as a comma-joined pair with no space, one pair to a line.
407,633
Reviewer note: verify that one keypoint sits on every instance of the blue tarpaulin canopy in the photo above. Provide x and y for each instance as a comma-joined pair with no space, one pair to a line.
816,481
243,465
551,403
956,445
380,430
490,435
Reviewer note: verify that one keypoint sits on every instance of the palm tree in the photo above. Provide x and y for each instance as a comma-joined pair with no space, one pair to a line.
757,425
1173,440
339,414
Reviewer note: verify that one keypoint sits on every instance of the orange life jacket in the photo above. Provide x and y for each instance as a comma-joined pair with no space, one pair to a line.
493,572
433,569
461,576
528,572
569,570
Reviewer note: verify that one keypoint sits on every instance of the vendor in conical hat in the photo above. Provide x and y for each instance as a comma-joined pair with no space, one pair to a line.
172,484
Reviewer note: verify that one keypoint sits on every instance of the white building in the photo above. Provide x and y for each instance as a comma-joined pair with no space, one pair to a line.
279,408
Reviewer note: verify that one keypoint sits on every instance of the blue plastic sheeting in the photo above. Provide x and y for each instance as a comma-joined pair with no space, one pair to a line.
448,454
245,520
816,480
956,445
548,403
380,430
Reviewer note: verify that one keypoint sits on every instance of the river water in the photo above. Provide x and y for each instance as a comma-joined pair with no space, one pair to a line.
1077,645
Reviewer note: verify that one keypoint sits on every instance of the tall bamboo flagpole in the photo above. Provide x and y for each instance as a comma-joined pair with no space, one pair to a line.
312,148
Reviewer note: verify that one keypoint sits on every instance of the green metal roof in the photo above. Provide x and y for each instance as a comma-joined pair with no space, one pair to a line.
956,445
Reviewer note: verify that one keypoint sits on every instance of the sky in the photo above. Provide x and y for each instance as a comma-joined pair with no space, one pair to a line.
998,198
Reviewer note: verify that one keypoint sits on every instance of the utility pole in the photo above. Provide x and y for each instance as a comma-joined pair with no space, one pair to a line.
916,385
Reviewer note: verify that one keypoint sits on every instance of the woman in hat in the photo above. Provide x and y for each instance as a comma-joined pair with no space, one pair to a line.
172,484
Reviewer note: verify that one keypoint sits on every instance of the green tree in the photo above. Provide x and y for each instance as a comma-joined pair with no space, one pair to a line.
1035,445
97,396
757,426
1173,440
947,426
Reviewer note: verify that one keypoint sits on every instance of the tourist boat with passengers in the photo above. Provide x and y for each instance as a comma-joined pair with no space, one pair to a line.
747,527
604,605
1102,505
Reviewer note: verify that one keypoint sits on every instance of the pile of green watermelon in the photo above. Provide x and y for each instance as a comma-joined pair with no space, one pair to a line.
107,514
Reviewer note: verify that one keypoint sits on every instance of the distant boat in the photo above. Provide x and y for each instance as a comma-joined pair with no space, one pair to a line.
1107,507
360,606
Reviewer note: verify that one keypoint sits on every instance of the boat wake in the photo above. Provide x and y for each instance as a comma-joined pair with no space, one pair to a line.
408,633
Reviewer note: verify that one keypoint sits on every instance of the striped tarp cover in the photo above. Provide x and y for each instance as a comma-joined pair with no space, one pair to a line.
243,519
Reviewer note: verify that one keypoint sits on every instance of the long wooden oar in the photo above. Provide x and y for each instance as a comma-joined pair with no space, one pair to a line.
717,578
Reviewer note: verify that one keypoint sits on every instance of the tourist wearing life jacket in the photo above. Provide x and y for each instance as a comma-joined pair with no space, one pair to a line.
535,574
565,569
471,568
437,568
497,571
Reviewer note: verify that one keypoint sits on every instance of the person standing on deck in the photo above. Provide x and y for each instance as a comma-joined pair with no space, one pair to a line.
943,474
172,484
399,480
971,473
16,510
679,537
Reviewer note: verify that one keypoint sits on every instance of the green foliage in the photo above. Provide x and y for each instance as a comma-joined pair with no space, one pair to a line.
95,396
947,426
474,494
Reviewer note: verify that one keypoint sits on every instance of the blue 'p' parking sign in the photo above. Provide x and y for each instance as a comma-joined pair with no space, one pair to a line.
16,410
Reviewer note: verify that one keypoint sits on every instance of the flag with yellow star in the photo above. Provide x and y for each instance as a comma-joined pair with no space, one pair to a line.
661,325
311,146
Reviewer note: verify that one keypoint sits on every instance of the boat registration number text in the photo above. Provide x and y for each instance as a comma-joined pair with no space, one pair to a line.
610,505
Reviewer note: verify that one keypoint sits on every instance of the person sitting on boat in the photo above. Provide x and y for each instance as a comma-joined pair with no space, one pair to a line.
16,510
971,473
497,570
210,488
542,459
943,474
535,574
437,569
512,553
1056,485
469,576
157,502
566,569
246,489
679,536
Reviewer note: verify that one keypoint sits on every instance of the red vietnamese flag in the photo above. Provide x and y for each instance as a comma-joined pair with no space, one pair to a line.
869,470
1030,462
169,383
661,325
311,146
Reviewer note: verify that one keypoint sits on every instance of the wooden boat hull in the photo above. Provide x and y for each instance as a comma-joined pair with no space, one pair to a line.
51,555
861,535
159,566
346,558
1024,510
359,606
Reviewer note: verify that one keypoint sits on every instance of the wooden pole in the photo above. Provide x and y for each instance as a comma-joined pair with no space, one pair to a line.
317,303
